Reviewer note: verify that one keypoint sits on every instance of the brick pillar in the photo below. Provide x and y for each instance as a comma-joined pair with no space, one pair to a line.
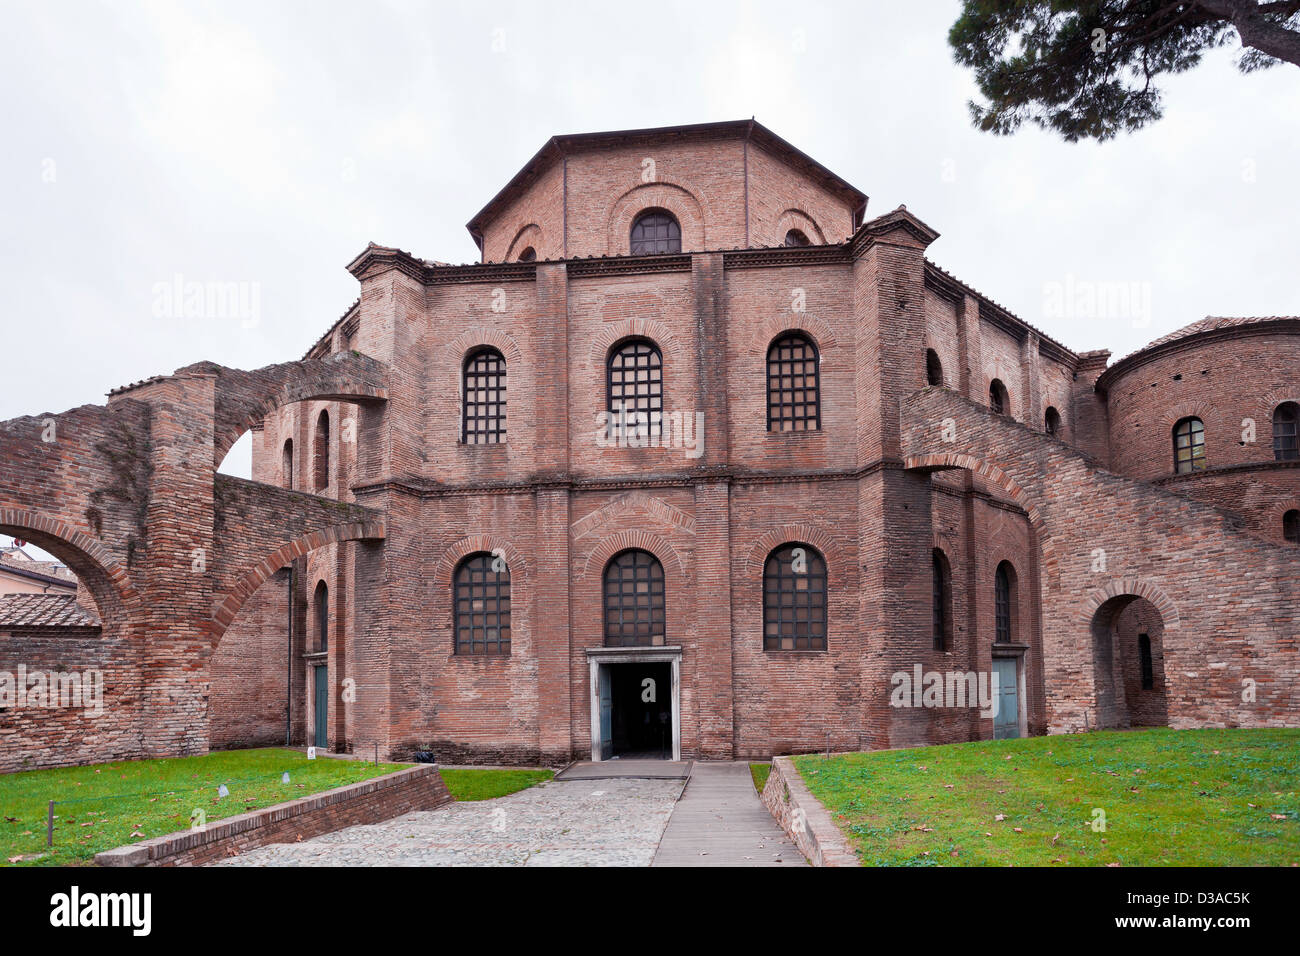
178,566
371,649
1032,382
1089,426
712,666
552,640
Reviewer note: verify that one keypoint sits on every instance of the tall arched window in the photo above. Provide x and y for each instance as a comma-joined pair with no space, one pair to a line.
941,598
655,231
999,400
1291,526
321,452
483,421
1286,429
635,390
1004,603
286,463
794,599
1189,446
634,600
797,237
481,588
793,384
1052,421
933,368
321,602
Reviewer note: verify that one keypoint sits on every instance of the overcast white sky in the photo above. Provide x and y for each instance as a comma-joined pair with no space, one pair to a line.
265,143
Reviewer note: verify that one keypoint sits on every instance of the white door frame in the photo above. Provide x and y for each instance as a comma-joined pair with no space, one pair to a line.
598,657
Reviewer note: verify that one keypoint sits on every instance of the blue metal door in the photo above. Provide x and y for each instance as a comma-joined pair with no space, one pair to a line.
322,707
606,712
1006,723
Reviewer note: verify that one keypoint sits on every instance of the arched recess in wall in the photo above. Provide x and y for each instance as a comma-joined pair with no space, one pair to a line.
795,219
529,237
685,207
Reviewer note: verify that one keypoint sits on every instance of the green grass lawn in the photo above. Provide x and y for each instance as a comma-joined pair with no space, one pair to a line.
475,784
760,772
105,805
1170,798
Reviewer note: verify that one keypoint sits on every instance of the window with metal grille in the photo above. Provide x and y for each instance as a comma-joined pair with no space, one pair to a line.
484,417
933,368
528,255
1144,656
322,603
941,595
635,389
794,599
1291,526
482,605
654,232
1004,595
797,237
1189,446
1286,427
999,400
793,385
321,452
634,600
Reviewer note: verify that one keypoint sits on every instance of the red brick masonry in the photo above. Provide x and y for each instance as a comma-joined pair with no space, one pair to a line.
803,817
382,798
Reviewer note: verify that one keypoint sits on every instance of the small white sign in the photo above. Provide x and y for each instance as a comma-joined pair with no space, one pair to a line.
311,753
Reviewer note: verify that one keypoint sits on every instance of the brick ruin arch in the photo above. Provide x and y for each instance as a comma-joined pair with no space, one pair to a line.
1222,595
243,399
103,576
228,608
1128,632
128,496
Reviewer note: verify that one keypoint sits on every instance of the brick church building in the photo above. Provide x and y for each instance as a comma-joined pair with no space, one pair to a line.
698,461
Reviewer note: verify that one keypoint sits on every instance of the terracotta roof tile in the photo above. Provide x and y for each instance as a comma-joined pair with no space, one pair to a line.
44,610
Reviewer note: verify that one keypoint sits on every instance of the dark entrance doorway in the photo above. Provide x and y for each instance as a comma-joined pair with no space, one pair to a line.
641,710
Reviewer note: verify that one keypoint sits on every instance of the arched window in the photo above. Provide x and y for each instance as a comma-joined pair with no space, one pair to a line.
793,384
941,595
933,368
1052,421
483,421
635,390
1004,603
655,231
1286,427
321,452
797,237
481,588
321,602
794,599
528,255
1189,446
286,463
634,600
999,400
1291,526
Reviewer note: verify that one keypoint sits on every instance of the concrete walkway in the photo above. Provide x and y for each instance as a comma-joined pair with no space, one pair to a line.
719,821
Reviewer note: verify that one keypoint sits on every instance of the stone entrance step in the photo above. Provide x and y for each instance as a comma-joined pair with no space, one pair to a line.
625,769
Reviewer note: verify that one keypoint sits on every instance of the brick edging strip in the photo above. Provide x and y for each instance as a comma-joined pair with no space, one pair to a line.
818,838
369,801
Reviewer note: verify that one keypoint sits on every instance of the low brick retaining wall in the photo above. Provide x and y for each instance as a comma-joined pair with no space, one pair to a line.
803,817
370,801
